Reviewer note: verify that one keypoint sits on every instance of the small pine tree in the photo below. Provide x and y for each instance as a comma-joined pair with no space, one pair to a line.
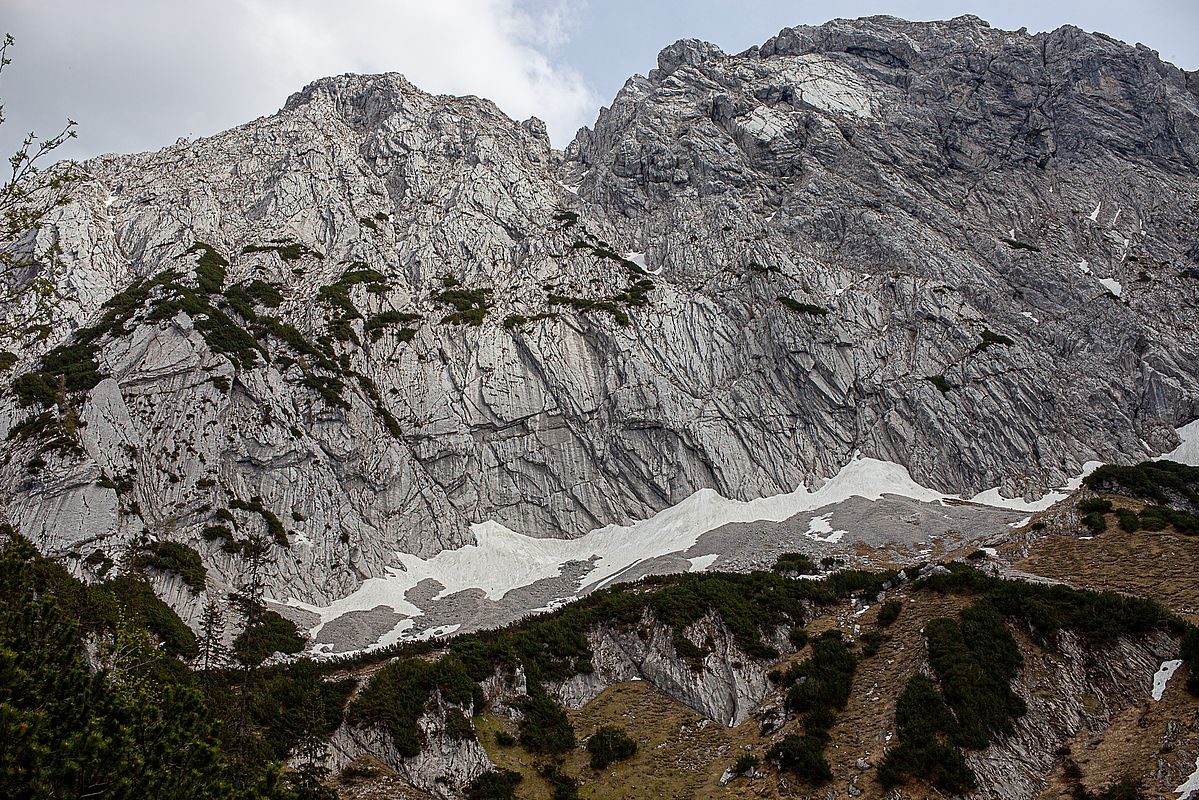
213,652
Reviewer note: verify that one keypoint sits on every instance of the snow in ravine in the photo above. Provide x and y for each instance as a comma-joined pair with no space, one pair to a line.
502,559
1162,677
1187,789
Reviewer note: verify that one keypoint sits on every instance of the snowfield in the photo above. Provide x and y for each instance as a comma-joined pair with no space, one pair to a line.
502,560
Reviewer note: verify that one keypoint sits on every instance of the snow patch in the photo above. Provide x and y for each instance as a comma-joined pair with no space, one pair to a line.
1094,217
1163,675
1113,286
502,559
701,563
1085,267
991,497
1029,315
821,529
436,633
571,189
1191,785
639,260
1188,451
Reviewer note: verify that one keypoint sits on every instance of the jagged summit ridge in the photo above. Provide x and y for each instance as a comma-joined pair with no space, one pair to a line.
933,244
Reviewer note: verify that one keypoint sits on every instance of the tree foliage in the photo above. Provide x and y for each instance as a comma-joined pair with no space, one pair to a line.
608,745
30,265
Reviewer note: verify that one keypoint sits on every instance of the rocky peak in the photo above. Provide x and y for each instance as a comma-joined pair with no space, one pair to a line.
361,100
691,52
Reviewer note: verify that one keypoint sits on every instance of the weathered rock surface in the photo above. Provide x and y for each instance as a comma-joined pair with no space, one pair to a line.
726,687
443,767
1012,216
1070,690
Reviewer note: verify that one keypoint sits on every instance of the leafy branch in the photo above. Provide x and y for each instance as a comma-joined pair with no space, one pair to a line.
29,268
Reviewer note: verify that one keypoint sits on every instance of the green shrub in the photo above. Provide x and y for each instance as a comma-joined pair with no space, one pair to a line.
584,304
746,763
174,557
375,325
457,726
1128,787
562,786
494,786
1128,520
803,756
513,321
1151,480
396,696
924,722
567,218
295,702
608,745
975,658
545,728
827,675
267,634
1016,245
889,612
505,739
990,337
1099,617
144,608
470,305
274,525
1156,518
796,563
210,267
1095,505
872,641
802,308
1189,652
1095,521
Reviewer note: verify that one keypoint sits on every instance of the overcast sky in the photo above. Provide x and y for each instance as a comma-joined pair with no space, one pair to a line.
138,74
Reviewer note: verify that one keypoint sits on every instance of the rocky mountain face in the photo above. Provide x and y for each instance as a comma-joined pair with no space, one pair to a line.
366,323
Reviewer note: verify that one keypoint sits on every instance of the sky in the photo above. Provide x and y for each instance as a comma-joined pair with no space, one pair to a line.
139,74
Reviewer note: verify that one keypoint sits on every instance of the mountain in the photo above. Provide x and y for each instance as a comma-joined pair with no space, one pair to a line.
905,262
781,394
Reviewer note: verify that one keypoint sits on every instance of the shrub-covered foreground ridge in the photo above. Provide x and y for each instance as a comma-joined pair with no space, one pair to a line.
97,697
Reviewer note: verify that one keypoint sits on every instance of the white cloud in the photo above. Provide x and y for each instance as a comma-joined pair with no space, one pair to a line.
137,74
